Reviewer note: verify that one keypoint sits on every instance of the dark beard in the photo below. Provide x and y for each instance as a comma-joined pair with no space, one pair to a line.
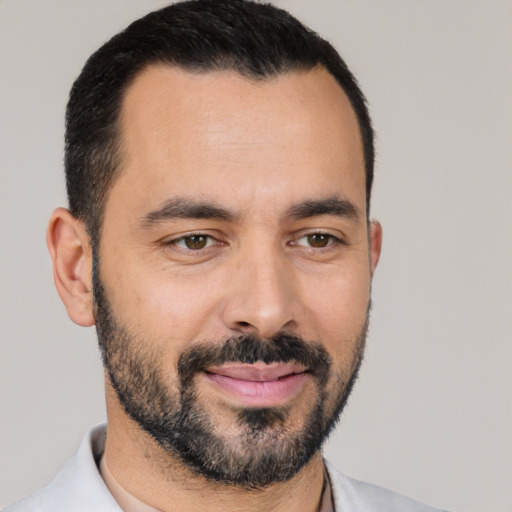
267,452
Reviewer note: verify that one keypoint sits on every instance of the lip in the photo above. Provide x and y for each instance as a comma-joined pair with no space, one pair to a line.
259,384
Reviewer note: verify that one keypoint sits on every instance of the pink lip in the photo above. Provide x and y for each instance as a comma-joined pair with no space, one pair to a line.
259,384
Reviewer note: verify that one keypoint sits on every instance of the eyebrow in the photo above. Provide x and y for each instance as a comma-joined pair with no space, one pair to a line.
181,208
330,206
185,208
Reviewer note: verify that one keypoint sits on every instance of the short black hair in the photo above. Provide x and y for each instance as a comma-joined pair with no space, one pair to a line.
256,40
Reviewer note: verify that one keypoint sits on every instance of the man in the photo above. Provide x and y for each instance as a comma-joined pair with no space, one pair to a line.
219,163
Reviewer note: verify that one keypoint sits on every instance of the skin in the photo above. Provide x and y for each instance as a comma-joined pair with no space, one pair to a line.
255,149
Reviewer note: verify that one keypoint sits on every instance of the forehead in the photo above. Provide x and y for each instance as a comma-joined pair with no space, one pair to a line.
193,134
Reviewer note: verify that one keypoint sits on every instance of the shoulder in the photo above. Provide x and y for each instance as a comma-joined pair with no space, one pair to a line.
78,487
352,495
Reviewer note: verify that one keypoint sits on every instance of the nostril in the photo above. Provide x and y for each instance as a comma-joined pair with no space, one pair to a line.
244,324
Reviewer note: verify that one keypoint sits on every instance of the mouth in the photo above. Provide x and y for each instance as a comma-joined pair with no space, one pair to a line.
258,385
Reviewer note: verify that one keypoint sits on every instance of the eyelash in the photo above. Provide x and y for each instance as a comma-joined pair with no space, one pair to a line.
331,240
181,241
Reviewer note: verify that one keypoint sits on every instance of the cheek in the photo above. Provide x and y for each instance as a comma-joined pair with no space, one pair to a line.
167,307
338,308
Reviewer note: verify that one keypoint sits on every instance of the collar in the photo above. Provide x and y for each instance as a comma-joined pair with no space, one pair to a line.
129,503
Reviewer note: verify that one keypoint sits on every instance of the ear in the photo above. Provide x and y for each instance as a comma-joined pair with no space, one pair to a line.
375,244
71,254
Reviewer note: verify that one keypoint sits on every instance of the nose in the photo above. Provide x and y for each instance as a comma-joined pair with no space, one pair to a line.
262,298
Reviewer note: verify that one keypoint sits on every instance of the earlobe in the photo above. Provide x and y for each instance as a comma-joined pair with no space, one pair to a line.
375,244
71,254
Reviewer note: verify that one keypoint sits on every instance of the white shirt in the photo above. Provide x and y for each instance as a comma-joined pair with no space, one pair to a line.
79,487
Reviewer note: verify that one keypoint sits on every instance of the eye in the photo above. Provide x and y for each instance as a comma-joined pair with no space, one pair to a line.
193,242
317,240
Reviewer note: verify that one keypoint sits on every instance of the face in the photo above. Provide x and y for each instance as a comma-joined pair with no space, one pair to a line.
234,269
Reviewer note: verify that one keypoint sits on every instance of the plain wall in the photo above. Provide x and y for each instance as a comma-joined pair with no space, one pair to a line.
431,414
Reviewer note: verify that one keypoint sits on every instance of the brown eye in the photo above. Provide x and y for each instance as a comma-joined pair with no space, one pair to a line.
195,242
319,240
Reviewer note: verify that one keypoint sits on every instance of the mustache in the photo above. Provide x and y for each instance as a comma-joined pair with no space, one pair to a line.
282,348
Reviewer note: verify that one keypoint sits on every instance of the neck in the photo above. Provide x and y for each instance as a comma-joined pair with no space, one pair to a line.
162,481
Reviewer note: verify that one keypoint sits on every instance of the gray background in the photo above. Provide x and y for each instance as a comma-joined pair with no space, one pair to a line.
431,415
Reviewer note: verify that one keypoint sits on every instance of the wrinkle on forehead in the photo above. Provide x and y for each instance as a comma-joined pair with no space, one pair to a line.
214,106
